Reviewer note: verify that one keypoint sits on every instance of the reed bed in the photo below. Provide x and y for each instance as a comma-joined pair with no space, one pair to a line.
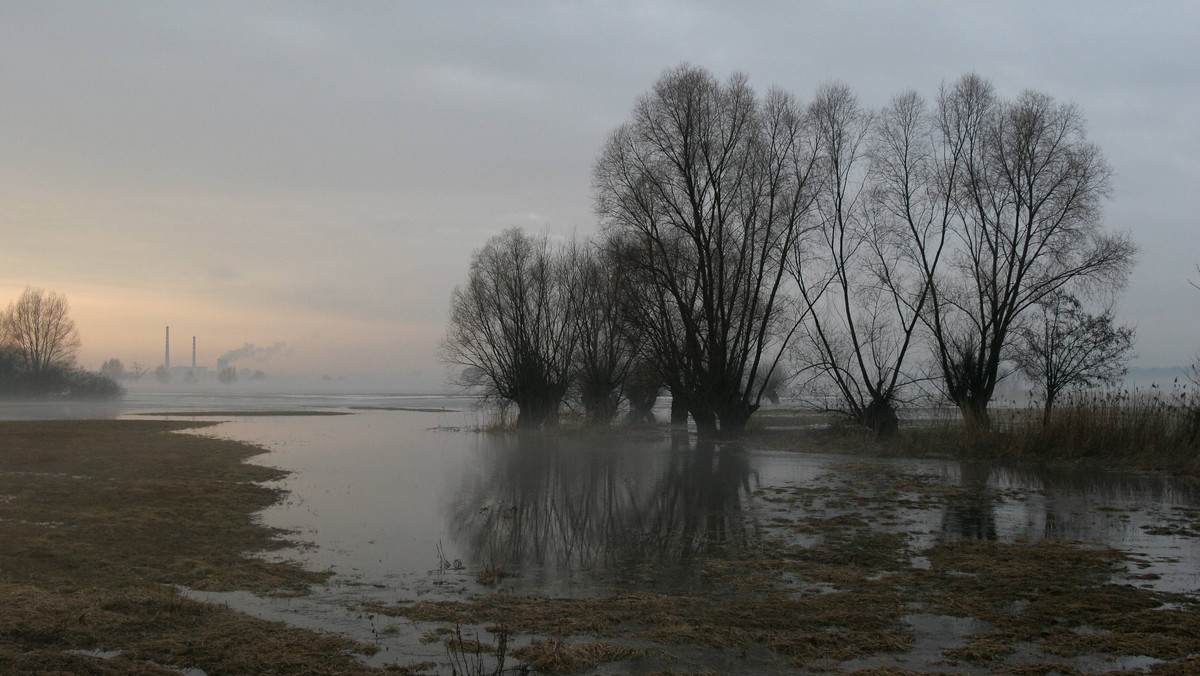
1157,428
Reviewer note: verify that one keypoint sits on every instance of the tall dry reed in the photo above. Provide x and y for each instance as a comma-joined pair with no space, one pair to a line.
1155,427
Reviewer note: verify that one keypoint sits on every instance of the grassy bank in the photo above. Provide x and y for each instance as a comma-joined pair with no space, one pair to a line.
1140,431
100,519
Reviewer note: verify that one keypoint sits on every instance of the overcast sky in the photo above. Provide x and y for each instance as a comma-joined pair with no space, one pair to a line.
317,174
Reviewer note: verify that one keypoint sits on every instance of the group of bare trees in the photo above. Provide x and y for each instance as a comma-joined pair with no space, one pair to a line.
537,322
38,343
872,255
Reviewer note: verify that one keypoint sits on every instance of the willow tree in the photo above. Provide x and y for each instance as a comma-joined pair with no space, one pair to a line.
885,209
511,327
606,342
1027,207
709,185
38,330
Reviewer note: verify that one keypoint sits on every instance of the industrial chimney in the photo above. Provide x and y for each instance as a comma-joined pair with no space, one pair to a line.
167,358
193,353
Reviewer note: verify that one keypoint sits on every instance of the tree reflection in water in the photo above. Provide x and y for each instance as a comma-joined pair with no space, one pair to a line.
546,506
1073,503
971,515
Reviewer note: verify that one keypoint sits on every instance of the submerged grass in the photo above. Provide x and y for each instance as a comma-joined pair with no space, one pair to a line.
827,584
102,519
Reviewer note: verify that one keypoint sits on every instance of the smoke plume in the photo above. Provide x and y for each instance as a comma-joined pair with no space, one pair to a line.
249,350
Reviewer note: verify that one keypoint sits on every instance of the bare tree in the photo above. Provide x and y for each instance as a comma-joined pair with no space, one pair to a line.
511,326
113,368
641,387
606,340
651,312
1066,347
884,216
1027,207
709,186
37,328
136,371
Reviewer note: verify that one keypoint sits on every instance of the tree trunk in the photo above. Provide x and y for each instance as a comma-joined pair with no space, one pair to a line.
679,412
880,417
735,418
641,405
706,423
529,415
537,411
599,404
975,413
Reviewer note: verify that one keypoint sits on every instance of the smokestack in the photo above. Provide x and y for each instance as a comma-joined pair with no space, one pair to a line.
193,352
167,358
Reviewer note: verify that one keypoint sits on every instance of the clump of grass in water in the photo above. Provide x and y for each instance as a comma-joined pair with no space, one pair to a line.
1150,429
557,656
471,657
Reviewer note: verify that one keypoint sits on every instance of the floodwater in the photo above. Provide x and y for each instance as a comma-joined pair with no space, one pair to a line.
406,505
402,502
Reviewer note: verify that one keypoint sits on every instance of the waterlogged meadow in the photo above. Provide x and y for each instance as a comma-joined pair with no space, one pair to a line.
644,552
367,532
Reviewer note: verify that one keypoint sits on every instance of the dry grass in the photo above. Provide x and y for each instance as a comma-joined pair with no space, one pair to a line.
1154,429
1150,429
559,657
102,517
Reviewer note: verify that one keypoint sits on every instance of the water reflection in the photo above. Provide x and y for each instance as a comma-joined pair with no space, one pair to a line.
379,493
971,514
537,503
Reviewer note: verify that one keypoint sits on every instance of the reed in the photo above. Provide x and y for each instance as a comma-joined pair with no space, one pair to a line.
1143,429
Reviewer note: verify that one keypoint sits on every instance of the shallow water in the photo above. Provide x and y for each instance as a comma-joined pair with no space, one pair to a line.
379,494
404,505
152,399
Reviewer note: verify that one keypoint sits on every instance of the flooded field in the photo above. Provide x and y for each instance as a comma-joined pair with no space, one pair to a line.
643,551
410,511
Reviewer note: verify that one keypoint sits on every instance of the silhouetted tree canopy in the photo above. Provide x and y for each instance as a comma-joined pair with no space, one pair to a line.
708,186
1027,208
38,343
512,326
1064,347
883,252
37,328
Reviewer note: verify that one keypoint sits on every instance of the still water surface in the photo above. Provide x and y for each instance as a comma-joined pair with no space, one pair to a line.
390,495
410,504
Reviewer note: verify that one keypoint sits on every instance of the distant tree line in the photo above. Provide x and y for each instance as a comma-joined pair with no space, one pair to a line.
38,344
866,257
